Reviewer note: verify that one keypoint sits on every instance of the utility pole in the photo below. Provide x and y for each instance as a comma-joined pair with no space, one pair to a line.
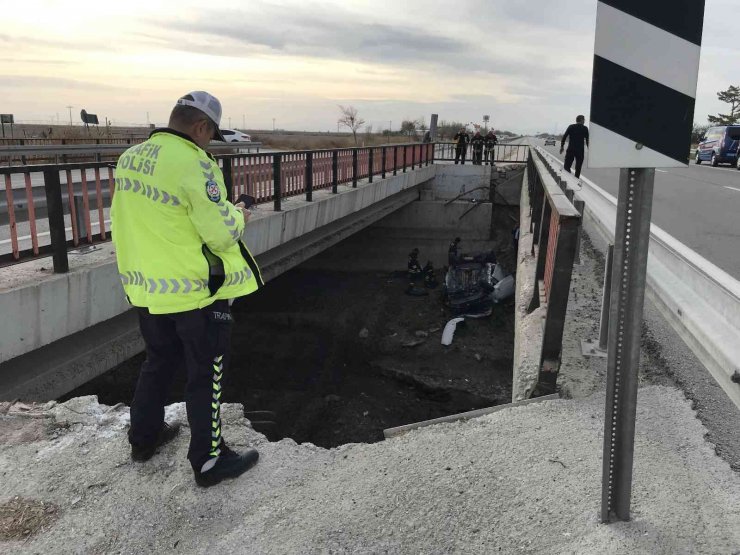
273,125
147,119
70,114
229,122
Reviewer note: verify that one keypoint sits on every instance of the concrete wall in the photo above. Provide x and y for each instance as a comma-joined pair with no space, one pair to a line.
528,326
426,225
453,180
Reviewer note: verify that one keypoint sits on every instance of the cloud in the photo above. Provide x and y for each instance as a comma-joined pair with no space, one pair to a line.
337,34
35,81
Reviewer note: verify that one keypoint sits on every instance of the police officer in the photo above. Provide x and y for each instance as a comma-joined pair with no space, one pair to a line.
477,142
491,142
181,260
461,139
577,135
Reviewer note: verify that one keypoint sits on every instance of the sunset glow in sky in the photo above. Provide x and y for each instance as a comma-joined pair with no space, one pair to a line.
526,63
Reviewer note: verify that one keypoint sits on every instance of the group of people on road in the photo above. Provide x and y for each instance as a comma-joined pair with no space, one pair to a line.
480,144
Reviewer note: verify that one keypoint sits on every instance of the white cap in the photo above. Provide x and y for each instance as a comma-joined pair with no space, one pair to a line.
209,105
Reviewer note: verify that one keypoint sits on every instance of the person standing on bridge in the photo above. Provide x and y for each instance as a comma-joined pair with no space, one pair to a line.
491,142
477,143
181,260
577,135
461,139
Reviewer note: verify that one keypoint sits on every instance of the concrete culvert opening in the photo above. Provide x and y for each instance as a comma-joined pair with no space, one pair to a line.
334,351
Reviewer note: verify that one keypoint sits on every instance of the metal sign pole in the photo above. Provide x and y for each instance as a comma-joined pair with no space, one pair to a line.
632,238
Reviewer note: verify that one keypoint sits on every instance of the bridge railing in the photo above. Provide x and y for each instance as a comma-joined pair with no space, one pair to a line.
50,209
556,227
502,152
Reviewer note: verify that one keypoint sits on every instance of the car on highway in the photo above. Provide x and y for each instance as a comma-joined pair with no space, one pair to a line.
719,146
550,142
234,136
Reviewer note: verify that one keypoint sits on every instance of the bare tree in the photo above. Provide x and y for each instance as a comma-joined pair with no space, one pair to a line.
351,119
409,127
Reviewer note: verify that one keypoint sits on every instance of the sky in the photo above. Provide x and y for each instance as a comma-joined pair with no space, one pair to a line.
527,64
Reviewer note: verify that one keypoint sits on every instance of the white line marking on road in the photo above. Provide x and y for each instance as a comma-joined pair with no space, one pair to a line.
730,169
731,188
662,171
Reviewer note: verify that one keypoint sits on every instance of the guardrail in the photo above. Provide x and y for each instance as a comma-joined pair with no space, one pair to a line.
556,234
502,152
76,198
698,299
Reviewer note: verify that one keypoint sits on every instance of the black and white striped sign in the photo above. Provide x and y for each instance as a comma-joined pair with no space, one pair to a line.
646,65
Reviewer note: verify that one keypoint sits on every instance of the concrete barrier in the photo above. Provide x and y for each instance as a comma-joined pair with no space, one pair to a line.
698,299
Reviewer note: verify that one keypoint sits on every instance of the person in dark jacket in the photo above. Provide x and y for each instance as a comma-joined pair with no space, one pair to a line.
453,253
415,270
430,280
461,145
491,142
577,136
477,143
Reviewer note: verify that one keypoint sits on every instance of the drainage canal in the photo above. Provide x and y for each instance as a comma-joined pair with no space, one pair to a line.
330,355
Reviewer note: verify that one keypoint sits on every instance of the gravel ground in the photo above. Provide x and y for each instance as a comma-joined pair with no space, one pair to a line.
523,480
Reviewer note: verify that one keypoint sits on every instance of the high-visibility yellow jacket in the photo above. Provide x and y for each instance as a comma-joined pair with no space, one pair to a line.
177,237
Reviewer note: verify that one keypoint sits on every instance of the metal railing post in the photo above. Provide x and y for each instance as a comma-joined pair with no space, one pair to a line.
55,210
228,179
395,159
334,171
79,205
405,148
581,207
276,188
370,165
413,155
382,162
354,167
309,176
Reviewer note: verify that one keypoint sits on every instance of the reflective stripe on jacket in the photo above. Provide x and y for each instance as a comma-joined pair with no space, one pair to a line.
177,237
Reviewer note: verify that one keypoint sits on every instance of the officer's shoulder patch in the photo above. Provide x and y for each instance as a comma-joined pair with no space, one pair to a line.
212,190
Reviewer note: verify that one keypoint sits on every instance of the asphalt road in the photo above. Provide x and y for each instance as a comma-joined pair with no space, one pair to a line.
698,205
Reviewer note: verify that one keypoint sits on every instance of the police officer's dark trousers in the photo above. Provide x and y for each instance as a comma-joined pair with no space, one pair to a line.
199,341
577,155
460,151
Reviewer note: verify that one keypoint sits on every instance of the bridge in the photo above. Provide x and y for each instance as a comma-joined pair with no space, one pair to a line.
59,274
73,322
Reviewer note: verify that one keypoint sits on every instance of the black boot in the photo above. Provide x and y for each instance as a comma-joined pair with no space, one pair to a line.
141,453
229,465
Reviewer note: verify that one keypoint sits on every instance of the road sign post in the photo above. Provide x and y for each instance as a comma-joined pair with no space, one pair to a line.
646,64
632,238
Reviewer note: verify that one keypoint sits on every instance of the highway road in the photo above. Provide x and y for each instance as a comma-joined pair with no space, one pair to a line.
698,205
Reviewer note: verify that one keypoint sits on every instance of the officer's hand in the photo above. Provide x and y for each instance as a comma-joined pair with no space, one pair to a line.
245,213
561,150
